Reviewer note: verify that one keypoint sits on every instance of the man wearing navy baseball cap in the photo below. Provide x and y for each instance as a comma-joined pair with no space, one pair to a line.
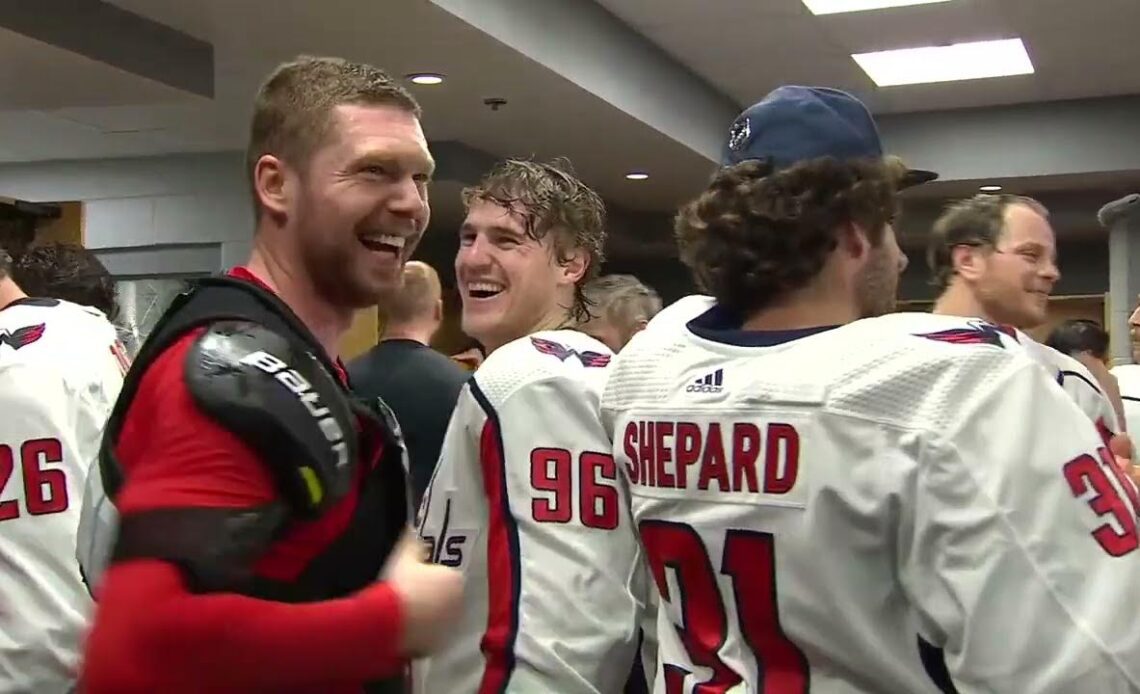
794,124
813,156
837,500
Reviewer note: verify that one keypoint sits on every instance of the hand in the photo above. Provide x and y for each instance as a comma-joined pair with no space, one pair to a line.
432,595
1108,382
1122,450
469,359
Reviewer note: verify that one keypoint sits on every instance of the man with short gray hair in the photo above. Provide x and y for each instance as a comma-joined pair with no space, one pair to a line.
621,306
995,258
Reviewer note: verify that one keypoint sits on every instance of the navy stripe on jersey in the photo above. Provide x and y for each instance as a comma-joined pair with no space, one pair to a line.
934,662
33,301
1065,374
503,570
721,325
425,503
637,682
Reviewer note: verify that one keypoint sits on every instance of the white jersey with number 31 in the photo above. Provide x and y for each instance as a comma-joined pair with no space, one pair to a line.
903,504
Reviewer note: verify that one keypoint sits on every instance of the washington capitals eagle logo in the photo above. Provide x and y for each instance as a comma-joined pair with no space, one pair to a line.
979,333
589,359
739,134
22,337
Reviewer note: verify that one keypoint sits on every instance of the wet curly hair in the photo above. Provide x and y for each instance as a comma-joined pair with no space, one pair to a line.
549,197
68,272
756,234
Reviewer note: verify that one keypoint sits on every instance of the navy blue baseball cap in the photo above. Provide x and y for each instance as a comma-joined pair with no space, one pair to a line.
794,124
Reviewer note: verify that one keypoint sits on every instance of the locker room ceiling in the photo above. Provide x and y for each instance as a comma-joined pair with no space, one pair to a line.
616,86
1080,48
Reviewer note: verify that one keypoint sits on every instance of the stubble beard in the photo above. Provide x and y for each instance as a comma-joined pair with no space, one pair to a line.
877,290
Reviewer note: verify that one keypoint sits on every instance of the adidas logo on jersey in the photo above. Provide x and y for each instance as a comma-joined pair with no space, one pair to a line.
712,382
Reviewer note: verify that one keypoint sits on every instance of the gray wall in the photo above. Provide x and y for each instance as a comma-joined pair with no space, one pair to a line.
190,213
1070,137
153,215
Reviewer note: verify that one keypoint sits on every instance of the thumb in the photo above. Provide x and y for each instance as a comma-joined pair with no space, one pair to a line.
1121,447
413,546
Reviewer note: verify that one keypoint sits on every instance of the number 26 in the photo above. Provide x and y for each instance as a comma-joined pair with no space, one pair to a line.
45,490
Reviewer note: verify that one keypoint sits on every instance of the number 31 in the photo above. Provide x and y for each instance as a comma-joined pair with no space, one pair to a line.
749,563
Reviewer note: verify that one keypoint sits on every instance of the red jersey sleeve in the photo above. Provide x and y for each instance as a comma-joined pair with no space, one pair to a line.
151,634
173,455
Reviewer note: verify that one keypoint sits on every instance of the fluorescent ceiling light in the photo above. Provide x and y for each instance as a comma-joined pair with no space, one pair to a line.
961,61
426,78
989,188
838,6
637,175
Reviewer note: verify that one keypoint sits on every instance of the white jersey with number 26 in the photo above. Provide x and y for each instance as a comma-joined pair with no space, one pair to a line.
60,372
903,504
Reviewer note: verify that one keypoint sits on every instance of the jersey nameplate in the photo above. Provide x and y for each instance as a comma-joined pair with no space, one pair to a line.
743,461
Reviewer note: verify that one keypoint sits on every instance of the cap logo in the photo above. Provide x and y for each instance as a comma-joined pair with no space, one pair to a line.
739,135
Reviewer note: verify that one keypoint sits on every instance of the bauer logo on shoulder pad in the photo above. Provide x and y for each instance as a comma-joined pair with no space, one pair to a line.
299,386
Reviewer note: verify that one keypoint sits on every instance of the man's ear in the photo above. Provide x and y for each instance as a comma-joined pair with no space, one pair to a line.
853,240
967,261
271,184
574,265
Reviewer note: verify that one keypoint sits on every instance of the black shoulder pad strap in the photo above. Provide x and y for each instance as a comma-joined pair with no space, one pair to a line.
216,548
208,299
277,396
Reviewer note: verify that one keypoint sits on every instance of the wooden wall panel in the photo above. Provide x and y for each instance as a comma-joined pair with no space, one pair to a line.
1063,308
362,336
67,228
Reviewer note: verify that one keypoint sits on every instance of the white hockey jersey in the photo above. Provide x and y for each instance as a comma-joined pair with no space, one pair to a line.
60,372
1076,380
1073,376
527,502
1128,378
888,506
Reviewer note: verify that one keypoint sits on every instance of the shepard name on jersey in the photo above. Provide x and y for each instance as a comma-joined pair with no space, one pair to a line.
742,458
874,507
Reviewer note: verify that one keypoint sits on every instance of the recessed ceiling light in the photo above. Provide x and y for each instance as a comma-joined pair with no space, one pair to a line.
837,6
425,78
637,175
961,61
989,188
